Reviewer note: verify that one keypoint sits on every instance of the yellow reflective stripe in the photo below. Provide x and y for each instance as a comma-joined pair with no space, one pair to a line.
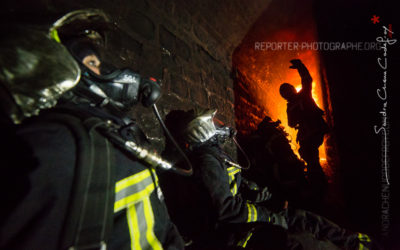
54,35
363,238
234,191
243,243
255,212
133,193
252,213
149,216
155,175
248,212
233,185
233,170
118,205
132,180
231,173
248,238
133,228
231,178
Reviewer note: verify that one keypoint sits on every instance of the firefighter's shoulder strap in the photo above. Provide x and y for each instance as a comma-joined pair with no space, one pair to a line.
89,219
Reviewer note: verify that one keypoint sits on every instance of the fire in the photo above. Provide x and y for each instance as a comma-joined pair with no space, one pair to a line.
263,70
267,73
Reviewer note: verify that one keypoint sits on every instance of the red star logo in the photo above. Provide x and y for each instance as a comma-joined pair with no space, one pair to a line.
375,19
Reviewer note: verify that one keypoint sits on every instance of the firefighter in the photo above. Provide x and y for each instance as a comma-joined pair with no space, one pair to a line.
304,115
79,188
274,163
221,214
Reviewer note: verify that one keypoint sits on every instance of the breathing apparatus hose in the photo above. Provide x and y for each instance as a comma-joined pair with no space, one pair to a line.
152,159
244,153
141,153
181,171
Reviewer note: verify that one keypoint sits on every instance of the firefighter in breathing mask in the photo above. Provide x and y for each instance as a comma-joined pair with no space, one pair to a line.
87,181
304,115
221,209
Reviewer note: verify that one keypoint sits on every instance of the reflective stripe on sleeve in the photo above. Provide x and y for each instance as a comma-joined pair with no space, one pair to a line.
232,171
133,193
151,238
54,35
134,230
363,238
234,189
252,213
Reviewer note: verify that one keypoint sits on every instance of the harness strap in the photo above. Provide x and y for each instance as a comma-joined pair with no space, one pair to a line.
89,219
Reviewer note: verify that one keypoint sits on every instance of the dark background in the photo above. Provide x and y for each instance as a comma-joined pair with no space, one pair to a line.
354,78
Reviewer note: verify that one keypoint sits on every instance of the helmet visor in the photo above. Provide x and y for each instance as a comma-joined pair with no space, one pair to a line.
95,41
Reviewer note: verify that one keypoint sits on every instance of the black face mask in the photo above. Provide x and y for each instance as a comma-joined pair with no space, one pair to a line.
124,87
223,134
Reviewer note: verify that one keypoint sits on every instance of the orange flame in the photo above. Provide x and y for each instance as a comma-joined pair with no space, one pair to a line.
269,71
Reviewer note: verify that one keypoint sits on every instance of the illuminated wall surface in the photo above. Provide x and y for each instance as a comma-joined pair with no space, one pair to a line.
264,69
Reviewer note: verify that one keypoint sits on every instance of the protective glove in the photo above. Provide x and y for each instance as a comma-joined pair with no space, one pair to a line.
296,63
279,219
263,195
251,192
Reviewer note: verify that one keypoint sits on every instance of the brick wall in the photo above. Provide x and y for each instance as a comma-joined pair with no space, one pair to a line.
248,114
189,46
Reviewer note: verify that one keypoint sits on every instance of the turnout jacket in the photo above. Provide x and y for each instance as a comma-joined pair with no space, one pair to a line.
39,191
209,208
303,113
222,183
215,214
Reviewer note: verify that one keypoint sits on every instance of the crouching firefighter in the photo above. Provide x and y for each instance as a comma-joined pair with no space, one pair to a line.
231,212
89,182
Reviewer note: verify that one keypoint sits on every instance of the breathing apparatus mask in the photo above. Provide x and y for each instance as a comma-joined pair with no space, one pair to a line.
88,36
123,88
202,130
94,41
